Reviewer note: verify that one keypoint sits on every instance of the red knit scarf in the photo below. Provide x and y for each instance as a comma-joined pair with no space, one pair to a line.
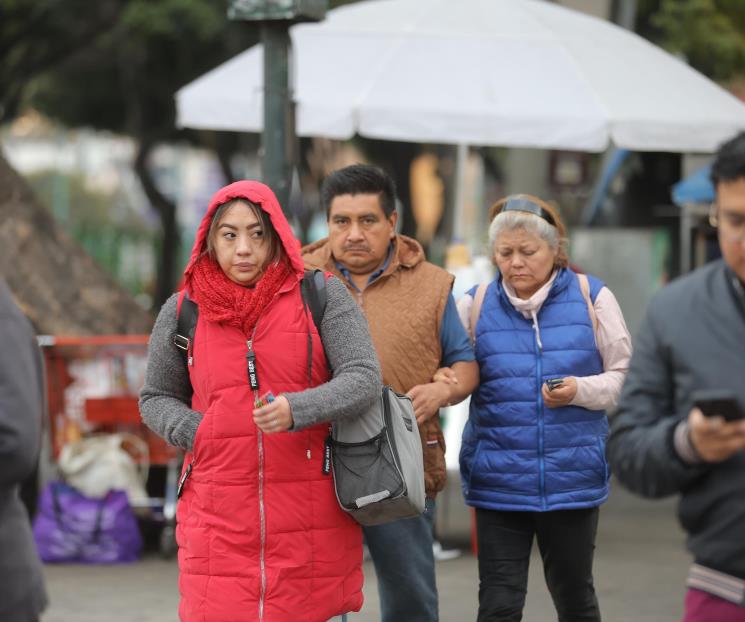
223,300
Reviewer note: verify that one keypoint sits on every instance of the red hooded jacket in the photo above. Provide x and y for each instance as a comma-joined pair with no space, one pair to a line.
260,532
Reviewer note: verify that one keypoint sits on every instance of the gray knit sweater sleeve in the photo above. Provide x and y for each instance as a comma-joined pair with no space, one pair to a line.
166,394
356,381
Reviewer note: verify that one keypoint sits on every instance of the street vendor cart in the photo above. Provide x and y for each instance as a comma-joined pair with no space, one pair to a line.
93,385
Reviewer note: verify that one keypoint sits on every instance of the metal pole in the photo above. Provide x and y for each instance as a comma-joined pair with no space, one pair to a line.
686,225
626,15
461,160
279,118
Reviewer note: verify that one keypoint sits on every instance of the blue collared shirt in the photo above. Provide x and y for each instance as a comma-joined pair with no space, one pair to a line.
346,274
454,341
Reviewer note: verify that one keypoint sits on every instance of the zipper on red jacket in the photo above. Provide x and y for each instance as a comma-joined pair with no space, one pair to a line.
253,381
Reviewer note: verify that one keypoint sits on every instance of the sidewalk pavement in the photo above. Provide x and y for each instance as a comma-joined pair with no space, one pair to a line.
640,568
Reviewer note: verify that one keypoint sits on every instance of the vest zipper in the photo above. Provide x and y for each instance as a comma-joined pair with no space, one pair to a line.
262,511
541,457
262,518
262,514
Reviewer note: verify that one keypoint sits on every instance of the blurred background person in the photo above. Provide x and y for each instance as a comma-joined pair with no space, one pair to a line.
552,359
22,593
693,339
260,532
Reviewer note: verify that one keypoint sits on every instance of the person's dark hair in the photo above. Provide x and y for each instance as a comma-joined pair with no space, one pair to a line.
729,161
359,179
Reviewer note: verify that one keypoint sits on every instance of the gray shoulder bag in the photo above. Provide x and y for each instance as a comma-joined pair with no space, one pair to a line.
376,458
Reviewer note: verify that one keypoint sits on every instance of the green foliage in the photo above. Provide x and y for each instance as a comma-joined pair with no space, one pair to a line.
709,34
75,205
126,78
116,65
171,19
102,223
335,3
37,35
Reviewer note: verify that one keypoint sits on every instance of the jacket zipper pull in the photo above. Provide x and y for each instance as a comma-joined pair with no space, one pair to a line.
326,469
253,377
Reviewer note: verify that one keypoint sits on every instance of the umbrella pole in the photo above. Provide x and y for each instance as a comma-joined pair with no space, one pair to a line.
461,158
686,225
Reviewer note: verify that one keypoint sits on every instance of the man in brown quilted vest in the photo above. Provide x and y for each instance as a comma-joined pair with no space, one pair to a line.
415,330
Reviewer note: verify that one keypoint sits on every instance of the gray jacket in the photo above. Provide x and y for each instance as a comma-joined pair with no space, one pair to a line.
355,385
693,337
22,593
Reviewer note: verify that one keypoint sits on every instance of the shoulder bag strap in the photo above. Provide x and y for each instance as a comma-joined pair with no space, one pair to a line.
186,323
313,293
478,300
313,289
584,286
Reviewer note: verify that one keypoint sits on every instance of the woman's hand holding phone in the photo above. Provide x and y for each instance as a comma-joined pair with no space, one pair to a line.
562,394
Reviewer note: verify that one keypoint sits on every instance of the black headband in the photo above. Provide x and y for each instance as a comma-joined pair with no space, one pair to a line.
524,204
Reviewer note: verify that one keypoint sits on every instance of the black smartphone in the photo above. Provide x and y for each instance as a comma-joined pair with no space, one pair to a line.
554,383
718,403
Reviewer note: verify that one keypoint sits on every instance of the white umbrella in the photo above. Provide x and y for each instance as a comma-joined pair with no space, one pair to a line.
482,72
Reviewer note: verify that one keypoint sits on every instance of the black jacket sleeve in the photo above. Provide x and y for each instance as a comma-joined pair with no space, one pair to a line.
640,448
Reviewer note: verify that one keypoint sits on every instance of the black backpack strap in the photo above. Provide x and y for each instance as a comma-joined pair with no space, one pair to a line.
186,324
313,292
313,289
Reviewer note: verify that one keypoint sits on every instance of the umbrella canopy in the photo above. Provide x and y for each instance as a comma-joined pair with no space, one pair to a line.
522,73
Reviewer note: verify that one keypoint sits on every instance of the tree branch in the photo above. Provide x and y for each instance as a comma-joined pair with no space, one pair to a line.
166,210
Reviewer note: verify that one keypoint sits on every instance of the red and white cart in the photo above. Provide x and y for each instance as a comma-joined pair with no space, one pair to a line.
93,384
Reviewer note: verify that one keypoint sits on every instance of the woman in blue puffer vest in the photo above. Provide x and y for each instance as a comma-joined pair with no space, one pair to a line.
553,350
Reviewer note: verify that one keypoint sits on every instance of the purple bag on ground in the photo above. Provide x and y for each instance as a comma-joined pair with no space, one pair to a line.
70,527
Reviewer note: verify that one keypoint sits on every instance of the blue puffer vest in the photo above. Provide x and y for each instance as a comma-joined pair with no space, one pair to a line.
518,454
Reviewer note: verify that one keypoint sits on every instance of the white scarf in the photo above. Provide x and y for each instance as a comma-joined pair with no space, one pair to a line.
529,308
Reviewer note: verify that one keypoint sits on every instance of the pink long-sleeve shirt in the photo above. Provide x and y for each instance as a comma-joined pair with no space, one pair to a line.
599,392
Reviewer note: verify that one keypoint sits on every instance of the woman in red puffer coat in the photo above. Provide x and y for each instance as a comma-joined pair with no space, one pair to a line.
261,535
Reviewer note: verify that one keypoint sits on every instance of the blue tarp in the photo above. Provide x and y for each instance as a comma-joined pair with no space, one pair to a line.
696,188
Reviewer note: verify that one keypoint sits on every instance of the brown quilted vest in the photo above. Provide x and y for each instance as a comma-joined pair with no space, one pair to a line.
404,308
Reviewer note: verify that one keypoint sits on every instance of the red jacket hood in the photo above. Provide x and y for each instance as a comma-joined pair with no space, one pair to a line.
260,195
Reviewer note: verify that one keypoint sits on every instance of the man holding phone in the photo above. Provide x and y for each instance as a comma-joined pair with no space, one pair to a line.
678,429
